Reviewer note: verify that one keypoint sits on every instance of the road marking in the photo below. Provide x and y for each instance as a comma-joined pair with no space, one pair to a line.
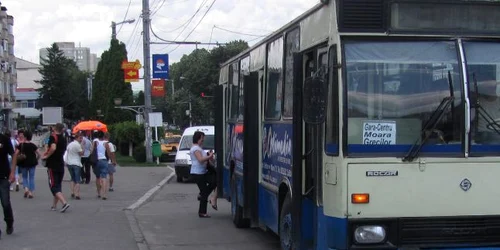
152,191
139,237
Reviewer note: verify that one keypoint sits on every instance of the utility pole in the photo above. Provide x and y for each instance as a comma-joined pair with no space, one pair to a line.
113,30
147,79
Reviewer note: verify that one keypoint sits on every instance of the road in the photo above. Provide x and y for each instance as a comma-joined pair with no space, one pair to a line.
89,223
170,221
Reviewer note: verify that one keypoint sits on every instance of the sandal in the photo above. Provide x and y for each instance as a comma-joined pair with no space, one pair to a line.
204,215
214,206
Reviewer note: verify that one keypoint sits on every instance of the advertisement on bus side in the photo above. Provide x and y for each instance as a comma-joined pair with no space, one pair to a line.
277,153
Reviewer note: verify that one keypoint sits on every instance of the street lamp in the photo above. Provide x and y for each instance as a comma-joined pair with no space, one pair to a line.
113,27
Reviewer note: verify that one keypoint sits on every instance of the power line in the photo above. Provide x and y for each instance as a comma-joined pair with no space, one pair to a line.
210,7
126,13
188,22
237,32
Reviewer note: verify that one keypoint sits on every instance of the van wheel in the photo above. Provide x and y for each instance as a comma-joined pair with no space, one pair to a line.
285,230
237,210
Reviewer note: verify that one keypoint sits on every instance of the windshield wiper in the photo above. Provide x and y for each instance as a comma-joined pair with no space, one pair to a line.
480,111
431,123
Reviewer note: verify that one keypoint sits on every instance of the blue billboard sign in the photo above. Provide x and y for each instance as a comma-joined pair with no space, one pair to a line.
160,66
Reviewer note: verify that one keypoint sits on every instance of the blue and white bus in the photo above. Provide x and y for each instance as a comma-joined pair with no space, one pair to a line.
367,124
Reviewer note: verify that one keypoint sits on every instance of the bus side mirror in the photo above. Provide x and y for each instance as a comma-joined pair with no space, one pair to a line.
314,100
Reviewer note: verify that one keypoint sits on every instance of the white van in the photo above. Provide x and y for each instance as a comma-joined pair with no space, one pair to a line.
182,158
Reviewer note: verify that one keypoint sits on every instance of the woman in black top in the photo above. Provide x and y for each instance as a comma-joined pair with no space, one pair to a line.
28,165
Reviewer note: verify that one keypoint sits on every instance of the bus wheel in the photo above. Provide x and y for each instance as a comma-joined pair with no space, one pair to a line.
286,224
237,210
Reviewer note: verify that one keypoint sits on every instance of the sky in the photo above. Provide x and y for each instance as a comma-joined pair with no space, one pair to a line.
37,24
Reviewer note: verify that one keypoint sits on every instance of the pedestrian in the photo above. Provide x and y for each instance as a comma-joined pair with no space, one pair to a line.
200,173
6,177
103,152
87,146
14,142
55,166
28,165
111,161
74,151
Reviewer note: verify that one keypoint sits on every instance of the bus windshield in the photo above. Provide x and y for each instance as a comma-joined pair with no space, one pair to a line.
393,88
483,67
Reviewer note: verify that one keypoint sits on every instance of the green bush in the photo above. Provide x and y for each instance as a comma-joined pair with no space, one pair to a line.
139,153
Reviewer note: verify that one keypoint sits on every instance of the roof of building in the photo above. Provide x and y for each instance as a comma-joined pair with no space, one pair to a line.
25,90
24,64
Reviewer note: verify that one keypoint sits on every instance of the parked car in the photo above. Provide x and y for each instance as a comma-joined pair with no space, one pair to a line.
183,159
169,147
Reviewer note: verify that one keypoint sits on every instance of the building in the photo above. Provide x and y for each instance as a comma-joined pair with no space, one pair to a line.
8,75
81,55
26,94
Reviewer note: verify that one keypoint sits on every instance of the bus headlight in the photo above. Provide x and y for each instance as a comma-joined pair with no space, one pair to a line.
369,234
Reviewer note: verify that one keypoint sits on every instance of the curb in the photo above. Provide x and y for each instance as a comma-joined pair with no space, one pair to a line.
130,211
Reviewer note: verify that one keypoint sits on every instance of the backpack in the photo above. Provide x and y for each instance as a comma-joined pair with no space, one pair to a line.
44,162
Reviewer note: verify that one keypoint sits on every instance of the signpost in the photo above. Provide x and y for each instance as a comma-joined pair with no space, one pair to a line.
160,66
52,115
131,70
158,88
156,120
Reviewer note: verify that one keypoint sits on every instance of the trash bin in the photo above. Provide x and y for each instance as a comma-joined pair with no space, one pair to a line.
156,149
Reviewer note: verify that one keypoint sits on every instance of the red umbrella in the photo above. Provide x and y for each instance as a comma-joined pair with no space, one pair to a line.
90,125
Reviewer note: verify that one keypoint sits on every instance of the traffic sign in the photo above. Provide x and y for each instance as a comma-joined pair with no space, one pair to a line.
131,65
160,66
131,75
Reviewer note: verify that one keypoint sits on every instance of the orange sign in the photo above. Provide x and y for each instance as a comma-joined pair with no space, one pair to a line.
131,75
131,65
158,88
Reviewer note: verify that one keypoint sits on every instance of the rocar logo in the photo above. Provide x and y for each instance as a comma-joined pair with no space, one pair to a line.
381,173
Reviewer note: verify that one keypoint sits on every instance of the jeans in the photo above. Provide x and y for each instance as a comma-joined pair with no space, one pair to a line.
5,200
74,172
28,178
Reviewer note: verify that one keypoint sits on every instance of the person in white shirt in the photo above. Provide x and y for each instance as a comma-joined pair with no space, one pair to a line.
111,159
74,152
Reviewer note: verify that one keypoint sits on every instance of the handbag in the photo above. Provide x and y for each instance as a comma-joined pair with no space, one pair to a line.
93,155
21,156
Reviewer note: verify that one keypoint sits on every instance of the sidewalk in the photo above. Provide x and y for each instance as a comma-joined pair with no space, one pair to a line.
89,223
170,221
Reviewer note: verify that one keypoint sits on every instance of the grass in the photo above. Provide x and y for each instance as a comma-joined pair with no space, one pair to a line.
128,161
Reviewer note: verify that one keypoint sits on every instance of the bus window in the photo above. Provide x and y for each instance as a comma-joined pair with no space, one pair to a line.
483,67
393,90
244,70
292,46
234,91
332,116
274,79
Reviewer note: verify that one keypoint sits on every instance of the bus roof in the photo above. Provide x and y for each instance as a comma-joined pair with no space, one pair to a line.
276,33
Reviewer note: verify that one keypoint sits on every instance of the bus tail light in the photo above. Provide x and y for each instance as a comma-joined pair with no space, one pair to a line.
360,198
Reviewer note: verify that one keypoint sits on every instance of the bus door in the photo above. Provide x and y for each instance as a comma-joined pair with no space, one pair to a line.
251,150
308,149
220,130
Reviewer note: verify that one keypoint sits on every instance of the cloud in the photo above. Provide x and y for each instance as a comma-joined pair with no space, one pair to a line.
37,24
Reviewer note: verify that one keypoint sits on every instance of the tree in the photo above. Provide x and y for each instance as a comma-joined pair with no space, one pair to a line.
63,84
109,84
200,74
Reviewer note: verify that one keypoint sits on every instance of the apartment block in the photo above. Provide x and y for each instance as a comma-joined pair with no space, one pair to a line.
85,60
8,74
